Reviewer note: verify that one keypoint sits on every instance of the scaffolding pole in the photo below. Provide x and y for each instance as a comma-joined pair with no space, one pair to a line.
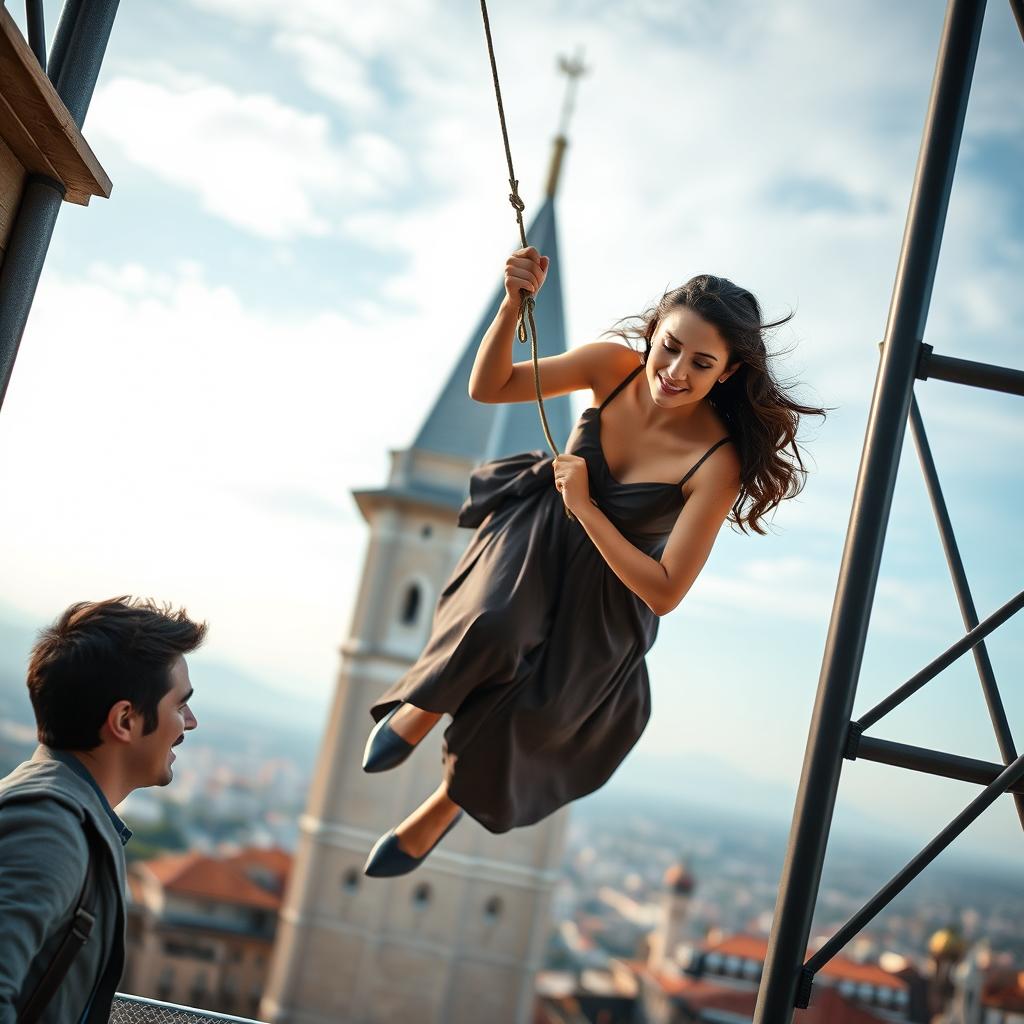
862,555
74,65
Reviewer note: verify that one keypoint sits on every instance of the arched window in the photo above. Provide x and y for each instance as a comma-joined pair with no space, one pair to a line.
493,908
411,604
350,880
421,895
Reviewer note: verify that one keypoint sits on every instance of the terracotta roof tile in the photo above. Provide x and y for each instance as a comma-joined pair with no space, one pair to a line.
840,967
208,878
278,862
829,1007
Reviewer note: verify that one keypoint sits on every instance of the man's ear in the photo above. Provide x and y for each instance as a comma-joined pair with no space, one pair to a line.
120,721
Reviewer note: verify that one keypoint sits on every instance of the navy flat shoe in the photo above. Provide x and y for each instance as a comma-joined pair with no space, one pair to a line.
387,859
385,749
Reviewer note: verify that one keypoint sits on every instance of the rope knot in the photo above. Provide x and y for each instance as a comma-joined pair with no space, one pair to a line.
513,197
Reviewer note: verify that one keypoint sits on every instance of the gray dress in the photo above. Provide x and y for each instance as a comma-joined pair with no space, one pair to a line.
537,647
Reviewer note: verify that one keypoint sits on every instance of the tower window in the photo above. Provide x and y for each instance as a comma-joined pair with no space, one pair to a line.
493,908
421,895
350,880
411,605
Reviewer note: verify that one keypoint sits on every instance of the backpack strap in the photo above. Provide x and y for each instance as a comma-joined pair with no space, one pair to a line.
82,922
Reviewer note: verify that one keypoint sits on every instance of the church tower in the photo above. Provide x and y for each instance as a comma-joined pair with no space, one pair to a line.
678,884
460,939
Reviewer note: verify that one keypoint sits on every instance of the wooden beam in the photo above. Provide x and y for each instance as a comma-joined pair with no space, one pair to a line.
37,127
12,181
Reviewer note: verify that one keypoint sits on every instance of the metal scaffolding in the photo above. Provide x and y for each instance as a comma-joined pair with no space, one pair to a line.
788,978
73,67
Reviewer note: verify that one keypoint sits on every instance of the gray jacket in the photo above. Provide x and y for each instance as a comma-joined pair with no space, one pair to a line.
44,809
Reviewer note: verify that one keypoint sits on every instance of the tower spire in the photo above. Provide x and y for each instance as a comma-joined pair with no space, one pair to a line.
573,68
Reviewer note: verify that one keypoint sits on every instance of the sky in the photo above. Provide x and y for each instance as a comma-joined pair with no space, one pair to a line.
309,214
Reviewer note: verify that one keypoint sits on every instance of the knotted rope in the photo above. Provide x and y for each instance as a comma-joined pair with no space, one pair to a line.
526,300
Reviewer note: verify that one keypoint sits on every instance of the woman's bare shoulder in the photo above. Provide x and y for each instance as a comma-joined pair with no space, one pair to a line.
608,362
720,473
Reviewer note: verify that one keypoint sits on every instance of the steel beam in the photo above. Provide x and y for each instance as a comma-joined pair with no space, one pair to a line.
966,371
36,30
932,762
858,575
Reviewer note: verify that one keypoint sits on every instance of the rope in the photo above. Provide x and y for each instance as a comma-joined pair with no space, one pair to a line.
526,300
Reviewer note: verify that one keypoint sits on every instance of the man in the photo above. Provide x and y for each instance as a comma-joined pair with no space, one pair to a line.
110,689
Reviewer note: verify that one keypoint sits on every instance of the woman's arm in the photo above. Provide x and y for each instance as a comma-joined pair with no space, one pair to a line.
495,378
661,585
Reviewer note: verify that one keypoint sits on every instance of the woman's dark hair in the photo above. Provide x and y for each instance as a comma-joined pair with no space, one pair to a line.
757,409
98,653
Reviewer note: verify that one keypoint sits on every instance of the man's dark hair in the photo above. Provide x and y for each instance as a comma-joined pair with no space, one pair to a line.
98,653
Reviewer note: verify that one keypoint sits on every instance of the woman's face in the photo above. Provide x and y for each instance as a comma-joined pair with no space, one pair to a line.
688,357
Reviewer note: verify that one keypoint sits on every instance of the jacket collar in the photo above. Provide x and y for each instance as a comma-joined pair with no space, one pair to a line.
124,833
46,778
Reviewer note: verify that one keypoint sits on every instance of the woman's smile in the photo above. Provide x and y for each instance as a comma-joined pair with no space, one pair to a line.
668,388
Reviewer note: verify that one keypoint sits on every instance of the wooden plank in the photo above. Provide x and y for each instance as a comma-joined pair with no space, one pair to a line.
12,180
37,126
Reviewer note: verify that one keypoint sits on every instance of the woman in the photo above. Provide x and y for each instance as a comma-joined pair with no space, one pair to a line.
538,643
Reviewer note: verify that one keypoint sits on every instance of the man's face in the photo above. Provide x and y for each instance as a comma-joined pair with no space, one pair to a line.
155,753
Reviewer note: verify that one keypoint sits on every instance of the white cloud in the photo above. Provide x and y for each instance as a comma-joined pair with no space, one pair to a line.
261,165
331,71
162,438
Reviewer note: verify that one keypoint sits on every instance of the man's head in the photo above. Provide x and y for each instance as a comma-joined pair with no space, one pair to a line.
109,678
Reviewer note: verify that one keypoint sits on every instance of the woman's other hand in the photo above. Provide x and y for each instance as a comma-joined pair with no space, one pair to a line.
525,270
572,481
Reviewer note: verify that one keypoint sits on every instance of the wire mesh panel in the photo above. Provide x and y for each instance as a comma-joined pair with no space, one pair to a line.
136,1010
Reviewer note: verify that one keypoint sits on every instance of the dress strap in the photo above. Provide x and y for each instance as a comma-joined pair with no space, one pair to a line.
619,387
700,462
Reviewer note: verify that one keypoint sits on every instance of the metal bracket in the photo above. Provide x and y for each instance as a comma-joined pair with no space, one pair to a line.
922,361
853,736
803,989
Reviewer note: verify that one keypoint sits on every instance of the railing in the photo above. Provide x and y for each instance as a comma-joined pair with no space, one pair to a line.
137,1010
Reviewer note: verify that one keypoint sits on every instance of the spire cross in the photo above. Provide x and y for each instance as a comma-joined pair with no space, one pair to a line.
573,68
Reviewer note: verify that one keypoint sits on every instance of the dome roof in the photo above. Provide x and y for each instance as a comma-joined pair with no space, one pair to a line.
947,944
679,880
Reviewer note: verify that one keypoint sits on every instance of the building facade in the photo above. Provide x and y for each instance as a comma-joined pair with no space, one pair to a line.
201,928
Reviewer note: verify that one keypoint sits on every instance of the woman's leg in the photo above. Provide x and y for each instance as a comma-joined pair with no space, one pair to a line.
418,833
413,723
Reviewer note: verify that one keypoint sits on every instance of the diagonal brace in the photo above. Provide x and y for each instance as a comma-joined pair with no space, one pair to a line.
966,643
1008,777
968,612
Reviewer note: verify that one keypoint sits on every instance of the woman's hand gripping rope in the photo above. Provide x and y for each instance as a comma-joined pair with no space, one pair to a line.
525,271
572,482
